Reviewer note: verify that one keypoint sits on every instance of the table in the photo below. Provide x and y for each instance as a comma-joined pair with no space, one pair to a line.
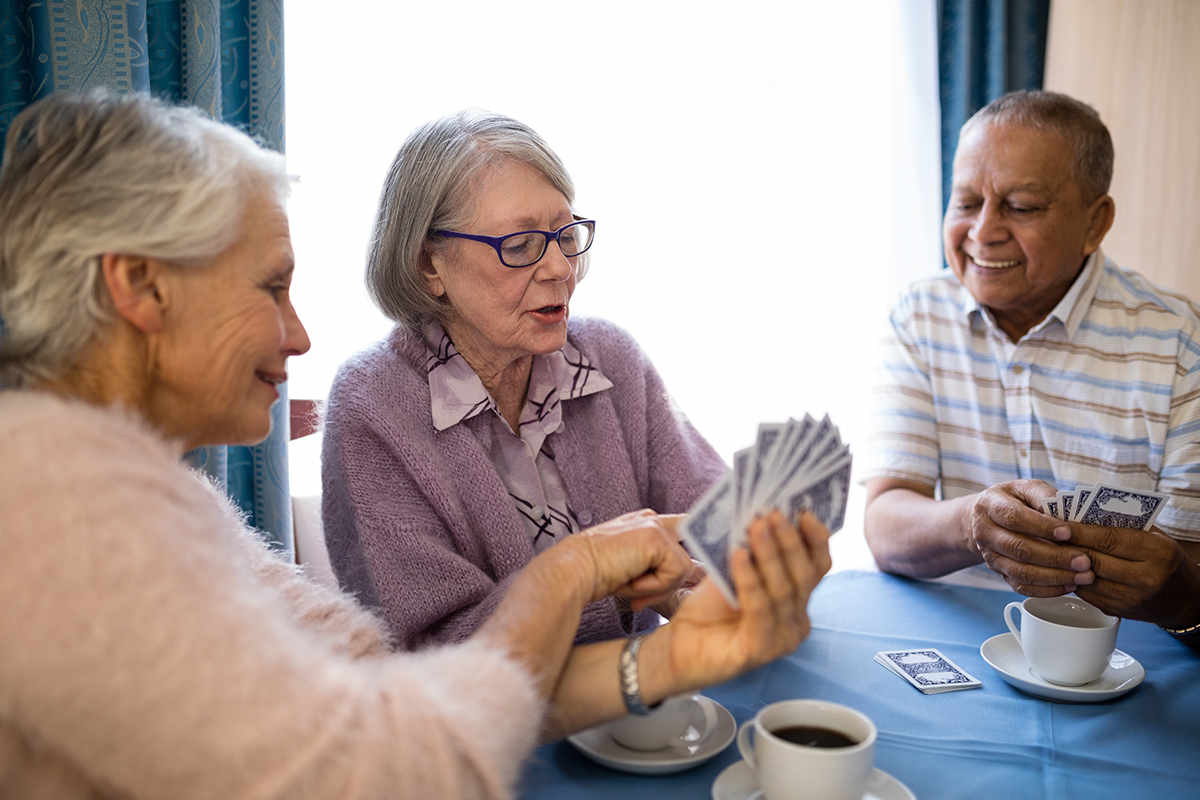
994,742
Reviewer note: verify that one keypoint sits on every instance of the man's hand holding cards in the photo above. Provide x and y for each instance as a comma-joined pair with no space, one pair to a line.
800,465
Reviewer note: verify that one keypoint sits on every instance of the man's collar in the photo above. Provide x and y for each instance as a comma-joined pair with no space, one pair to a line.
1075,303
456,393
1071,309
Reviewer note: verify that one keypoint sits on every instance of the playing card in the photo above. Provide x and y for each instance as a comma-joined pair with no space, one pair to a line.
764,444
1122,508
795,433
825,496
928,670
794,466
741,475
804,463
1082,493
790,458
707,529
1066,504
1050,506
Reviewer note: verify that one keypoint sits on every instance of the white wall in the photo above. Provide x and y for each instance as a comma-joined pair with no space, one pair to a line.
793,145
1138,64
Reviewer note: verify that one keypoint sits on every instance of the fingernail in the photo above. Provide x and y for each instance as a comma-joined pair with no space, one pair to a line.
1062,534
1084,578
1081,563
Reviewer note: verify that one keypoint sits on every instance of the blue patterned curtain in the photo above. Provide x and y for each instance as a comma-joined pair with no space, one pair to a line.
225,57
986,48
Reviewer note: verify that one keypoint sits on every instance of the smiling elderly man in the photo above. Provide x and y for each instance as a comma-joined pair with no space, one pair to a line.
1038,365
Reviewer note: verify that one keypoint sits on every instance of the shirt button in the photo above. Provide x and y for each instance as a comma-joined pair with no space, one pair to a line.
1023,452
1018,369
584,517
537,512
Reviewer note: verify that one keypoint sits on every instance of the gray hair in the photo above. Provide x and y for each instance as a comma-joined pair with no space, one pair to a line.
95,173
429,187
1076,121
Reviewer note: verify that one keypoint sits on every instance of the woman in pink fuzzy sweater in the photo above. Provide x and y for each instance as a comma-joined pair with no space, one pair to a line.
153,647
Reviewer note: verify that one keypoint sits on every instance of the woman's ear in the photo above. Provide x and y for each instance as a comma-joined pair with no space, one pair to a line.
138,288
430,264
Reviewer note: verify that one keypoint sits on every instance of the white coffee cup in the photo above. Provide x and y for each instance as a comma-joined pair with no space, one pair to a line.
681,720
790,771
1066,640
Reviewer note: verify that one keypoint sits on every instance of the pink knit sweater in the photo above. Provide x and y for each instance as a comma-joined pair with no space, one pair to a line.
152,647
419,524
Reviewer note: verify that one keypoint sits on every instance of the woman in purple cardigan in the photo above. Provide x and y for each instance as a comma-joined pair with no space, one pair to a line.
489,424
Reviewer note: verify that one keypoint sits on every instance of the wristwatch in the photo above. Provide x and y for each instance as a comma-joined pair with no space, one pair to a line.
1189,635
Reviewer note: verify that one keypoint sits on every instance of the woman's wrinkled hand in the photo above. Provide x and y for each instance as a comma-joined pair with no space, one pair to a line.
710,642
635,558
668,607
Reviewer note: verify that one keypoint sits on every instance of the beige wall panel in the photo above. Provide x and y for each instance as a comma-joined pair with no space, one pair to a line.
1138,63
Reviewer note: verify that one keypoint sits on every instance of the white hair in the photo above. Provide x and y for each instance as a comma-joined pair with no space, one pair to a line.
96,173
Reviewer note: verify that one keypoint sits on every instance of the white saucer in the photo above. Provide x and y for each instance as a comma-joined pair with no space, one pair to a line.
738,782
598,745
1004,655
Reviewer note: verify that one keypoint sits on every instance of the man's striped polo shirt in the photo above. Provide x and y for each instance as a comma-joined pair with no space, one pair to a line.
1106,388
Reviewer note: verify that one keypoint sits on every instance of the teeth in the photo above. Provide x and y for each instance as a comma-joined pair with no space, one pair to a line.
994,264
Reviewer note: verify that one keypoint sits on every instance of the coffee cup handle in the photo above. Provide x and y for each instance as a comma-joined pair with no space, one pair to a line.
709,710
1012,626
743,741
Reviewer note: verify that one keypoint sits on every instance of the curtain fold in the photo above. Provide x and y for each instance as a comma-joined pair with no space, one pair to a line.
986,48
224,56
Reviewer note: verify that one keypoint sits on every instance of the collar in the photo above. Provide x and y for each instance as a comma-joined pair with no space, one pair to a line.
457,394
1076,302
1071,309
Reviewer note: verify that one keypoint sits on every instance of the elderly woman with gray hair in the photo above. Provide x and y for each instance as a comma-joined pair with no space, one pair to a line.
153,646
491,424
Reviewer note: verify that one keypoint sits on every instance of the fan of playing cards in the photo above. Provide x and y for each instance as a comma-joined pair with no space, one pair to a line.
1107,505
794,466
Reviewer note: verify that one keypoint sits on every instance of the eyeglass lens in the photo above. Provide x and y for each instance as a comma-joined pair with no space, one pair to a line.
523,249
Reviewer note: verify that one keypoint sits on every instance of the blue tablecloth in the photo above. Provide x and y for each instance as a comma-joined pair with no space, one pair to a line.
994,742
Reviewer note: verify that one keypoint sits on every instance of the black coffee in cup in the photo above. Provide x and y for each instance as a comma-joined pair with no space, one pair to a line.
810,736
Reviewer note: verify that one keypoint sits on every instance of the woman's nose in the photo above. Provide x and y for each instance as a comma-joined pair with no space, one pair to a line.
295,337
554,266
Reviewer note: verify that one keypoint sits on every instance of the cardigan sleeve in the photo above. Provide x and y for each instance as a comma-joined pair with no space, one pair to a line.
145,654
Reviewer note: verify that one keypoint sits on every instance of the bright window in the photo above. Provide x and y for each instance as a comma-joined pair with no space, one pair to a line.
793,145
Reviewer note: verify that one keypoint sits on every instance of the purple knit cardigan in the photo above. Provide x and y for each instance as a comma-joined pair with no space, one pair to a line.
418,523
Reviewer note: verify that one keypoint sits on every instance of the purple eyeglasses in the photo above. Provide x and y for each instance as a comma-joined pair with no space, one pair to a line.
526,248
